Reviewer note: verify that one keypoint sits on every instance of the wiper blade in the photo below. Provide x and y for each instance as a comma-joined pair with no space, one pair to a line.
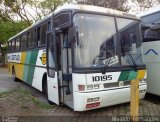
131,57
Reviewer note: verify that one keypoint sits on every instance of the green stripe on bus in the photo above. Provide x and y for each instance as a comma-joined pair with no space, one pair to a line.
31,69
132,75
26,67
124,75
25,72
28,56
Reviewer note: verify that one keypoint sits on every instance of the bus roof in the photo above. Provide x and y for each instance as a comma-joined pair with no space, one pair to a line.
150,11
93,9
79,7
151,18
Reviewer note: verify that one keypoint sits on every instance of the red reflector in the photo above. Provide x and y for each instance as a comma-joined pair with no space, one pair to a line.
92,105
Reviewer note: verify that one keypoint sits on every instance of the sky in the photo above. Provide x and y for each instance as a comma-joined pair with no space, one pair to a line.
134,8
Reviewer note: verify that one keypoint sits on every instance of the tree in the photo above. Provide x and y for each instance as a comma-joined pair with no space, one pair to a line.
114,4
7,30
27,10
47,6
146,4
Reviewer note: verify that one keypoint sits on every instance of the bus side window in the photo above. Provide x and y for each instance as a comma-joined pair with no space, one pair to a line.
10,46
38,35
13,45
43,34
35,38
17,44
151,35
30,38
23,41
49,26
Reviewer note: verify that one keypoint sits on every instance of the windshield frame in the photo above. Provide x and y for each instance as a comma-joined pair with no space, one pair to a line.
106,68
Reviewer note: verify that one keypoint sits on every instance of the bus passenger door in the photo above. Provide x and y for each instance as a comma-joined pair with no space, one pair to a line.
52,81
65,72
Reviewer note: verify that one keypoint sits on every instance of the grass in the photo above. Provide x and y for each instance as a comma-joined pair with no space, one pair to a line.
4,94
41,104
23,97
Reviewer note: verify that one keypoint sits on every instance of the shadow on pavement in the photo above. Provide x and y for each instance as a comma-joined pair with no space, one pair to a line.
152,98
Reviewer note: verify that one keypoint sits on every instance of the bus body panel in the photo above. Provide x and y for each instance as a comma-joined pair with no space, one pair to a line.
53,89
24,65
38,75
151,51
30,67
152,59
40,69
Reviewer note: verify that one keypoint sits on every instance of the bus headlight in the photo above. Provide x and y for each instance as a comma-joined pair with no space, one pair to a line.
96,86
142,81
92,87
89,87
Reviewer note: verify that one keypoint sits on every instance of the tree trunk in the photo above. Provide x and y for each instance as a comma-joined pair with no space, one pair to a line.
3,55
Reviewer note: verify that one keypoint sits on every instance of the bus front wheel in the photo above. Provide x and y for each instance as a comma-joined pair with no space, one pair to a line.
45,89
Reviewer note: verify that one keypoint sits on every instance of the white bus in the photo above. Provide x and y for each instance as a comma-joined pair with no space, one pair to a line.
81,56
151,45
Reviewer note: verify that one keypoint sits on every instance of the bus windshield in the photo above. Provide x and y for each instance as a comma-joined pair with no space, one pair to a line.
98,43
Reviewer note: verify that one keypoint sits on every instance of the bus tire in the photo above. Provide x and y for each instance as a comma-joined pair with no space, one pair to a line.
14,75
45,88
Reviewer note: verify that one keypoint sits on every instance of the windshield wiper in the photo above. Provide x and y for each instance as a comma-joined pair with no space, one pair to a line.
131,57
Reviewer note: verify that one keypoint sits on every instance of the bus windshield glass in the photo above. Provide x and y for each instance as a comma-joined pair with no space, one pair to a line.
130,41
98,44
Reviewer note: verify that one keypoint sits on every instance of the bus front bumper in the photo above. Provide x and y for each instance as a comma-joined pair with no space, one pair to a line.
96,99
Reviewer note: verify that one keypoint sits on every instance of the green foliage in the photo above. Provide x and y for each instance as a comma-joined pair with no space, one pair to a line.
51,5
9,29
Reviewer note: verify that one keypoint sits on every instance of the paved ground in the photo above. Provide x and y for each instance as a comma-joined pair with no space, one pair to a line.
150,106
7,84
